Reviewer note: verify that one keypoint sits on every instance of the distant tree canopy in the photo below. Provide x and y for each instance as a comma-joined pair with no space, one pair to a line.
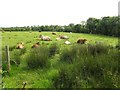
106,25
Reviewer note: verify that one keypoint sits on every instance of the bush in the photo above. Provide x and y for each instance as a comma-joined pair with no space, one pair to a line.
68,77
63,80
97,49
39,30
82,50
69,55
98,71
4,61
112,61
15,57
53,49
118,46
38,58
22,51
110,80
11,48
92,67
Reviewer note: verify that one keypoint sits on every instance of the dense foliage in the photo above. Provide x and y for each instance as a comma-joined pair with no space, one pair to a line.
89,71
106,26
57,65
38,58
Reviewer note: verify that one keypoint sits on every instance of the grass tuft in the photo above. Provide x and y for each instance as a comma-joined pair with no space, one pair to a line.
53,49
38,58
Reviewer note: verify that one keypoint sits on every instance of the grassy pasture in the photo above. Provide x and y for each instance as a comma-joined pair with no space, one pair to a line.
11,38
42,78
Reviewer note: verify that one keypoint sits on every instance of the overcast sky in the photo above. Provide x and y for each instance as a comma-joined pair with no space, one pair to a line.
53,12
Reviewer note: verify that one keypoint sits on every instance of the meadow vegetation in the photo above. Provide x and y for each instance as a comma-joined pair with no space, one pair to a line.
57,65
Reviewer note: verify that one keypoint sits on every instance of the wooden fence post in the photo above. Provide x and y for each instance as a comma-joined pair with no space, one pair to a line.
8,58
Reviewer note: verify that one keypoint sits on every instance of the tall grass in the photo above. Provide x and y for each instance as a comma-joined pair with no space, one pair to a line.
38,57
68,77
69,54
4,61
89,70
23,51
95,49
15,56
53,49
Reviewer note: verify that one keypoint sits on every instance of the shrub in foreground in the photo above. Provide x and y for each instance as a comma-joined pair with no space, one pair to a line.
11,48
64,78
90,71
53,49
38,57
16,57
69,54
4,61
22,51
97,49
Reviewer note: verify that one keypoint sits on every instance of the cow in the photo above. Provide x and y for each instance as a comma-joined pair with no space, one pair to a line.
63,37
57,39
53,33
20,45
81,41
45,38
67,42
36,45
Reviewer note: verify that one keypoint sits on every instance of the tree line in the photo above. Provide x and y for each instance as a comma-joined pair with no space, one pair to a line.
106,26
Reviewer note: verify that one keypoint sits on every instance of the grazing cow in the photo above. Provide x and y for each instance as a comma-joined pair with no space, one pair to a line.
20,45
45,38
36,45
63,37
57,38
53,33
81,41
67,42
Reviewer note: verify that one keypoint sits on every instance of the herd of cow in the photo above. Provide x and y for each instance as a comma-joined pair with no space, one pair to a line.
20,45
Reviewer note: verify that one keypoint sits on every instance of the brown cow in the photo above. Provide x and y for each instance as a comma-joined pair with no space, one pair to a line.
36,45
63,37
53,33
20,45
45,38
81,41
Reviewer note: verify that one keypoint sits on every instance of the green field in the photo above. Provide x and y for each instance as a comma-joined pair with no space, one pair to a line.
11,38
42,77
